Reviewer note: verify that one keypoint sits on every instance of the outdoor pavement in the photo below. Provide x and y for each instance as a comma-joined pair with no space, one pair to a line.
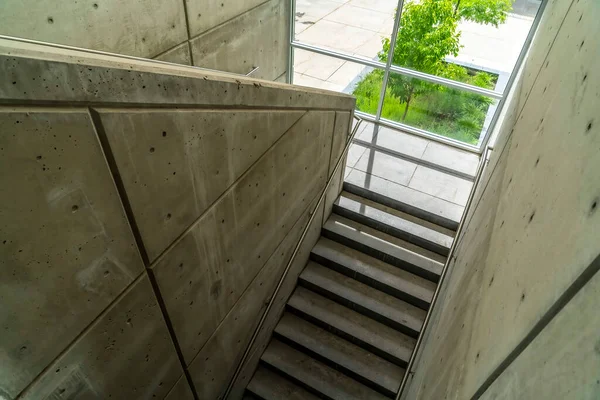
357,27
422,165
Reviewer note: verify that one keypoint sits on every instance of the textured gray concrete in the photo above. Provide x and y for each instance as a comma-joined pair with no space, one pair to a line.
218,257
98,78
143,28
80,320
340,137
181,390
176,163
204,15
214,365
158,29
531,238
66,249
288,284
127,353
179,55
257,38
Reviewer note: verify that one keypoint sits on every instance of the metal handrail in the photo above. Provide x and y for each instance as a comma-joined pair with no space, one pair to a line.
413,356
338,165
400,70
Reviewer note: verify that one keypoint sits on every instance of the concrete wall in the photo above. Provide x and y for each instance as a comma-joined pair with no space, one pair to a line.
146,213
232,36
518,313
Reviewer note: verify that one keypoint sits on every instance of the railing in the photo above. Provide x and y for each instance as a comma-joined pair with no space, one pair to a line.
481,167
388,68
338,165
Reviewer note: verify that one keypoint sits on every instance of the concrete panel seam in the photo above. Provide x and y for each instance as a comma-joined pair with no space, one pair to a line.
162,53
214,28
108,154
81,334
587,274
187,21
218,199
310,212
167,320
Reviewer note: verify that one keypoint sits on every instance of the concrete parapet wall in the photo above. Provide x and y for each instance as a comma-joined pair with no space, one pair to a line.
146,214
232,36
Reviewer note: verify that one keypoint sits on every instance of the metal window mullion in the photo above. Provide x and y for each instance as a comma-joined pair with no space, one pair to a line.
447,82
513,75
400,70
335,54
292,35
390,56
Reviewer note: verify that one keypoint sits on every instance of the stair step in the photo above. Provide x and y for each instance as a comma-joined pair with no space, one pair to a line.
354,361
363,331
269,385
422,205
390,249
311,373
365,299
393,222
389,279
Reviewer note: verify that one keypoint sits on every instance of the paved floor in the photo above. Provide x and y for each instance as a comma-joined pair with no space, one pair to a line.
412,166
357,27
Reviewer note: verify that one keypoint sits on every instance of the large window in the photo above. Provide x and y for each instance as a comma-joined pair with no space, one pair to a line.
437,68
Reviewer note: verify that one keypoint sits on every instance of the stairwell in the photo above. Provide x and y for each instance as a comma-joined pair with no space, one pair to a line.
354,317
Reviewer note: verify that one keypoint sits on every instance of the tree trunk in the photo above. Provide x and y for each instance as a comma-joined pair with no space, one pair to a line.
412,89
456,8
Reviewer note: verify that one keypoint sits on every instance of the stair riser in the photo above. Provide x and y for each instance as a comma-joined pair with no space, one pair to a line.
389,202
390,230
358,308
342,269
295,380
335,365
413,269
348,337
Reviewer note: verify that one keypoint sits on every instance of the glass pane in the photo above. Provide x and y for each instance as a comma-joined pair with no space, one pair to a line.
471,41
452,113
355,27
324,72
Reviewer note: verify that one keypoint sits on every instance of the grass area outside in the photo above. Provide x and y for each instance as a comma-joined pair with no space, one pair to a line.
448,112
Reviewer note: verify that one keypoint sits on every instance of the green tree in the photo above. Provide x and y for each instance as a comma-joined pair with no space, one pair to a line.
429,33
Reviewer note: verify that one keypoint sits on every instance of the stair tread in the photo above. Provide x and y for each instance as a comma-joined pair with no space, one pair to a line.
426,260
397,220
269,385
364,329
315,374
421,204
341,352
375,269
353,291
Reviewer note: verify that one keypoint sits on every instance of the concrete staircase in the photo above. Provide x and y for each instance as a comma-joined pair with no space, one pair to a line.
352,321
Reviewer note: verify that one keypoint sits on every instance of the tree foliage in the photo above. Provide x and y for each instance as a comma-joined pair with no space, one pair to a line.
429,33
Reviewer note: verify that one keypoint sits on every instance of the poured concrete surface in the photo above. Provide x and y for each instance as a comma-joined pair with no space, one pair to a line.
214,365
254,39
176,163
66,249
218,257
83,319
138,28
178,55
163,30
126,353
